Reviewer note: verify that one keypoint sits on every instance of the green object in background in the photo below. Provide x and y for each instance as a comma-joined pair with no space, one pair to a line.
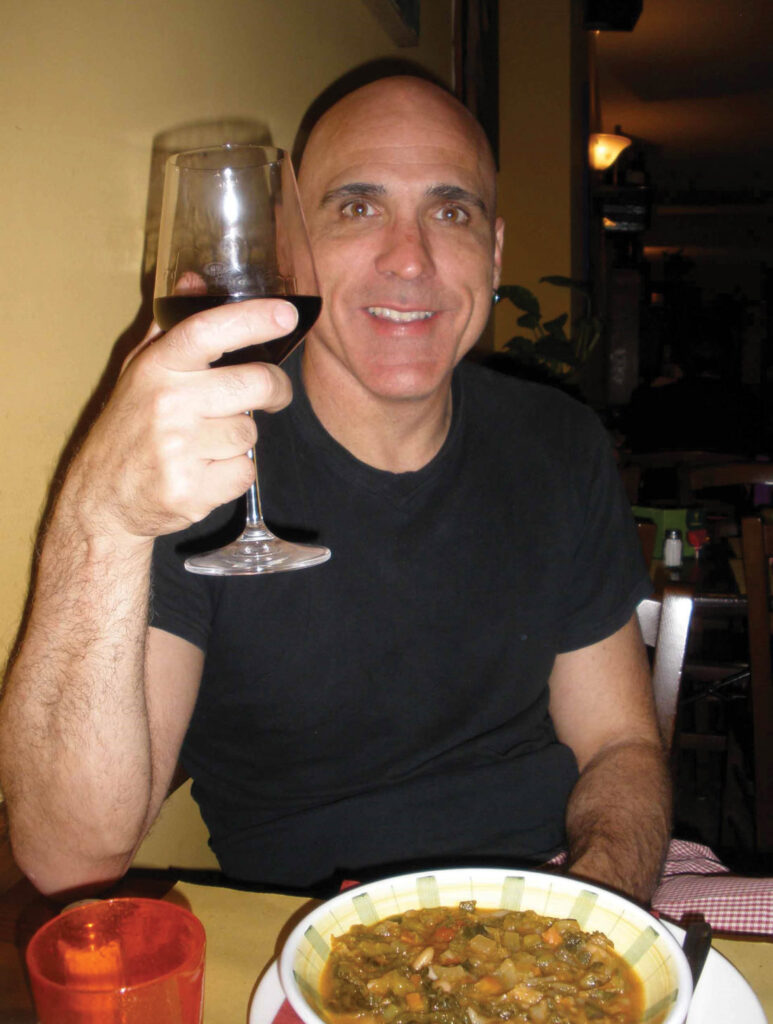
558,346
682,519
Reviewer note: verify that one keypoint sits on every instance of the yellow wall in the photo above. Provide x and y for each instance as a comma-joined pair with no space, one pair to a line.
84,88
542,75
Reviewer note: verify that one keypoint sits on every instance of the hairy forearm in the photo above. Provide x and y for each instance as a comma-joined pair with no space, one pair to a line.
75,754
619,818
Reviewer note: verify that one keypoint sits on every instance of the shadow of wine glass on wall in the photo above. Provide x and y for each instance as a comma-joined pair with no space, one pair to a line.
191,135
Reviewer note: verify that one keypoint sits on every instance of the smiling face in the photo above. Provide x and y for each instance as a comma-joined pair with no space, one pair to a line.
398,188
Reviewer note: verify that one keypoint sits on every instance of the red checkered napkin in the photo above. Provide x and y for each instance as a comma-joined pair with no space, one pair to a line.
695,882
287,1015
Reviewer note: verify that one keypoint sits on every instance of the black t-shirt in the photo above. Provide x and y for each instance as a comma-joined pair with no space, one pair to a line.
391,705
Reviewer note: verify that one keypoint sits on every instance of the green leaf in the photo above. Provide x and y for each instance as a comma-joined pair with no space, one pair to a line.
586,336
521,348
520,297
567,282
553,348
555,328
529,320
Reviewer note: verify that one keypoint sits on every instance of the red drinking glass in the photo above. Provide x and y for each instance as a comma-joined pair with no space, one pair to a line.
120,961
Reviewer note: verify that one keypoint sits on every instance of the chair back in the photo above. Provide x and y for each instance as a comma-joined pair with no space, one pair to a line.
665,627
681,457
676,466
757,549
630,474
9,872
647,533
731,474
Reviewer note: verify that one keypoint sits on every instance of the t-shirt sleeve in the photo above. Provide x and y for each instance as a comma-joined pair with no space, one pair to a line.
606,576
181,602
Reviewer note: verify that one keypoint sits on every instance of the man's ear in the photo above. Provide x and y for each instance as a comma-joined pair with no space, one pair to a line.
499,242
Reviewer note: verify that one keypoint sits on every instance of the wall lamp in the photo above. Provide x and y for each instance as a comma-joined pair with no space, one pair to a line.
603,149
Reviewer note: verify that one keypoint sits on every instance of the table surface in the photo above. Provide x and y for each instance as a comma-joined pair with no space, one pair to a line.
245,931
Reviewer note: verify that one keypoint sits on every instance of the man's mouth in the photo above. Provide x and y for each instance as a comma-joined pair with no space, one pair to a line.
399,316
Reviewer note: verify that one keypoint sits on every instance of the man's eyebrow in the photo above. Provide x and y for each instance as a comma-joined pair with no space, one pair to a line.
358,189
457,195
365,190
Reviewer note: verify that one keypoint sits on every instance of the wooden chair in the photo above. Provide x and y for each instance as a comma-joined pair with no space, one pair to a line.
730,474
679,464
647,533
630,474
665,627
736,480
757,549
9,872
684,457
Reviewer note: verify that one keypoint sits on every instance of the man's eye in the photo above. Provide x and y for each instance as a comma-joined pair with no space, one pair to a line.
452,214
357,208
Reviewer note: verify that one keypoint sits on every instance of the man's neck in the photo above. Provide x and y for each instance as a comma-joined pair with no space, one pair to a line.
395,435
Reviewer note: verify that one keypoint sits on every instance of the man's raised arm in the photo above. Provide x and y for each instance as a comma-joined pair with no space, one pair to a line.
618,818
95,705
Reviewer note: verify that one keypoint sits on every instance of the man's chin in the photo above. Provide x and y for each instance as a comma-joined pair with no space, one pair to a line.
407,383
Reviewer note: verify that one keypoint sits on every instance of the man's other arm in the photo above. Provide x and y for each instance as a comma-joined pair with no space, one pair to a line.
618,818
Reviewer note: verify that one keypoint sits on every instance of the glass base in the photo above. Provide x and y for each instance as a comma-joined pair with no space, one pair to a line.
257,551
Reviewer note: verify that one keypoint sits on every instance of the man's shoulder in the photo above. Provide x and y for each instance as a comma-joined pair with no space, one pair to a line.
504,395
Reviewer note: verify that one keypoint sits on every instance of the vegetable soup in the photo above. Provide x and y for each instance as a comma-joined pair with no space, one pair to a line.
472,966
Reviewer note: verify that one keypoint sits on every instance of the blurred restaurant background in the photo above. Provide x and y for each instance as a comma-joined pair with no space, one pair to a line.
642,284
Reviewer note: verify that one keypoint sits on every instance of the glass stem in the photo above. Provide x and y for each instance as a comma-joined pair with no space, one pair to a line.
254,509
254,514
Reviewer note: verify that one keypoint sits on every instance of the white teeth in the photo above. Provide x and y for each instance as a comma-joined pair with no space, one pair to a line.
397,316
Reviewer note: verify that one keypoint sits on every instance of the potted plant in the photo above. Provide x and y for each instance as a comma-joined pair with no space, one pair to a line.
557,355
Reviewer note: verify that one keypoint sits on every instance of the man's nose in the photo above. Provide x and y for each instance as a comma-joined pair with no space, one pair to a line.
405,252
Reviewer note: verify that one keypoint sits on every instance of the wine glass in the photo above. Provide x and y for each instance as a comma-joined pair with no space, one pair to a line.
232,229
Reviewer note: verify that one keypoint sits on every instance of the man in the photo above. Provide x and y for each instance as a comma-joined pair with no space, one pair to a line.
391,705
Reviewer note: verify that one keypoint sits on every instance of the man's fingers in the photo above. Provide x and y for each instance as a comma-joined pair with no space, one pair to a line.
228,479
190,283
226,438
233,389
202,339
152,333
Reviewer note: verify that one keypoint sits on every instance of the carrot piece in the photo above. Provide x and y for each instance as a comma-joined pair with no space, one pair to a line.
414,1001
443,933
552,936
489,985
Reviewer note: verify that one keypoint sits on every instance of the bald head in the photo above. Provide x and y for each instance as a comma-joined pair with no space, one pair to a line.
398,188
401,111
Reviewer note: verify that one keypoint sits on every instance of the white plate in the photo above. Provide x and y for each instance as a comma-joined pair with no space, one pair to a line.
722,995
268,997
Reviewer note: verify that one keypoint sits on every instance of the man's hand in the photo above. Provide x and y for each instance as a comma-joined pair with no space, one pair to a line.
173,442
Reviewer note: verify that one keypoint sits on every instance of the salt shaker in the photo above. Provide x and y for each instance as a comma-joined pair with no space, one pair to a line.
672,549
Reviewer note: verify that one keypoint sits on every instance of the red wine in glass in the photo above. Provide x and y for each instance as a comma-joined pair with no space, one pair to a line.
172,309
